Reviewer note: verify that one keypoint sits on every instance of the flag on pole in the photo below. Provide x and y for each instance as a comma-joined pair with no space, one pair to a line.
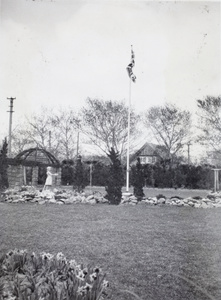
130,66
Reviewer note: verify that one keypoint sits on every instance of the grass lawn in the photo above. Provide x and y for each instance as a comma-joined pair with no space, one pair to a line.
152,192
160,253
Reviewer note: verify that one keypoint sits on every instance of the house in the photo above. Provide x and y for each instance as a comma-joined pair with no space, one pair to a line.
149,154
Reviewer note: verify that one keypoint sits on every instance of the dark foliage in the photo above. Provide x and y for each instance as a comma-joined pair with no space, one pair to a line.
100,174
115,178
3,166
67,172
79,176
160,196
42,175
164,175
137,180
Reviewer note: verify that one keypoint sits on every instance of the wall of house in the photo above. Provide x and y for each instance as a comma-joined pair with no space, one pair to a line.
148,159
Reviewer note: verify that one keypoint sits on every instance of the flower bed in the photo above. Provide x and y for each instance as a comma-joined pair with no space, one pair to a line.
57,196
48,277
28,194
212,200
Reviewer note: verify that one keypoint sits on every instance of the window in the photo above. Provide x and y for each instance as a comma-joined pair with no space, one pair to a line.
154,159
142,160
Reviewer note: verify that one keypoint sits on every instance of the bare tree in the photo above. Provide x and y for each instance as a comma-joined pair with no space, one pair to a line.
33,132
106,124
170,126
53,131
209,114
66,123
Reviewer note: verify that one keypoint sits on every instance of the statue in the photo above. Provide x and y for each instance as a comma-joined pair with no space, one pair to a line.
49,179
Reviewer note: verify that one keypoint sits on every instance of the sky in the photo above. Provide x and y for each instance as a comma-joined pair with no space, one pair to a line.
56,53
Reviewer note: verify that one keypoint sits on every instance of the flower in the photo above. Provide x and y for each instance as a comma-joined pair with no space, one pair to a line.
88,287
47,256
81,275
60,256
105,283
72,264
97,270
93,276
85,271
33,255
83,290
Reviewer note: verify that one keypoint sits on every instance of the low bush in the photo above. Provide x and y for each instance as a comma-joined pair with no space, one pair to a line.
3,166
178,197
25,276
197,197
138,179
115,178
160,196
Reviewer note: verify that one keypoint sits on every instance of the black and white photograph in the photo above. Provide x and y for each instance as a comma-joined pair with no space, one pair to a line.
110,150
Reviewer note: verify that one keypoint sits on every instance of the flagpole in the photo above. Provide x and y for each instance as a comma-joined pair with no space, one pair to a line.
128,140
132,77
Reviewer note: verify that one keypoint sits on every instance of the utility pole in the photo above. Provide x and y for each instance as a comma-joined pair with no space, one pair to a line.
10,125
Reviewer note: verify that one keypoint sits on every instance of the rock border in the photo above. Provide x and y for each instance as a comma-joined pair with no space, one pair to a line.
213,200
29,194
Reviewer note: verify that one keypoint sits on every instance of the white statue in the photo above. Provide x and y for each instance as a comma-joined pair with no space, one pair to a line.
49,179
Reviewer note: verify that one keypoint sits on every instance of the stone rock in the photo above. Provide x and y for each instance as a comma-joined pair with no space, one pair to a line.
15,201
53,201
41,202
161,201
34,200
180,203
90,198
59,202
92,201
204,205
67,201
59,196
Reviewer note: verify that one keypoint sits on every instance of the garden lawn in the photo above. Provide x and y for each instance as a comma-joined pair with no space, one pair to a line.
160,253
152,192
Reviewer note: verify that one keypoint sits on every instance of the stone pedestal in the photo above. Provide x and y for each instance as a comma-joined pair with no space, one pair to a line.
58,183
15,176
35,176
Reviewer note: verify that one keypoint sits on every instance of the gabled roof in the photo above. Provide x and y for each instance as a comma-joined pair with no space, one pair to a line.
149,149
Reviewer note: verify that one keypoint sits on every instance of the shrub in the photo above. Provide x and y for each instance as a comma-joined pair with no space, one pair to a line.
115,179
3,166
100,174
79,176
138,179
178,197
67,172
160,196
197,197
28,276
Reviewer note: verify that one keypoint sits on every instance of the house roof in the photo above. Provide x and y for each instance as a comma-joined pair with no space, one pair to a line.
148,149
